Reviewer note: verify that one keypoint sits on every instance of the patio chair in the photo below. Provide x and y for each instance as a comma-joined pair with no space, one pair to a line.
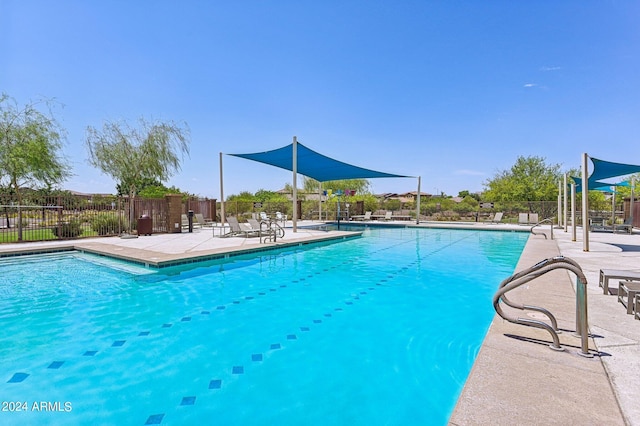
366,216
237,230
533,218
607,274
387,216
200,220
523,218
269,230
280,217
263,216
627,226
497,218
185,221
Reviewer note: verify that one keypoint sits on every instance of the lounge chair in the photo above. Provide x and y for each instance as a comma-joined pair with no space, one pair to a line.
523,218
607,274
280,217
533,218
366,216
237,230
387,216
254,226
196,223
265,229
497,218
202,223
627,226
263,216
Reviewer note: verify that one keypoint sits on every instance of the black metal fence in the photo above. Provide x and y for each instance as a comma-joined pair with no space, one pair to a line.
45,218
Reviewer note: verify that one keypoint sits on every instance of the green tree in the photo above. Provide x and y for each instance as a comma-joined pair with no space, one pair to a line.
361,186
151,151
122,188
159,191
465,194
529,179
30,146
264,196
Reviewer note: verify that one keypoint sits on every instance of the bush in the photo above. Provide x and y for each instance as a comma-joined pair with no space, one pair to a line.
105,224
69,229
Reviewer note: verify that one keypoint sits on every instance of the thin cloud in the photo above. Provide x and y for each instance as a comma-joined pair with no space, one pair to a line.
548,69
530,85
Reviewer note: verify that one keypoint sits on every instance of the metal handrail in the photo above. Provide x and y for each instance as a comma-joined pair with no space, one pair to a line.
533,272
550,220
271,232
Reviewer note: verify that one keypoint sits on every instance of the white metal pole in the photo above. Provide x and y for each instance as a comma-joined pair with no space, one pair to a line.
633,183
585,203
559,203
613,207
319,201
295,184
573,211
566,200
418,204
222,213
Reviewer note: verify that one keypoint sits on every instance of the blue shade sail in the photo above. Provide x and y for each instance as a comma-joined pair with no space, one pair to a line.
595,185
314,165
606,169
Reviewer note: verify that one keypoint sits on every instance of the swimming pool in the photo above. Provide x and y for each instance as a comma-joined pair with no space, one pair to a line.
381,329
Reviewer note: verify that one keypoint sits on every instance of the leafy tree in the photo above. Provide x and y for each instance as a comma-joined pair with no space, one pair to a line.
122,188
30,144
158,191
265,196
529,179
132,155
361,186
465,194
242,196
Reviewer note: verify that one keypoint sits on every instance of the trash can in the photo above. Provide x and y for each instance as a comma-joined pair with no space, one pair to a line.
145,226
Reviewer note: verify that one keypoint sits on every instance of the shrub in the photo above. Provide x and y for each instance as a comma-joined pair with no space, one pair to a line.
105,224
69,229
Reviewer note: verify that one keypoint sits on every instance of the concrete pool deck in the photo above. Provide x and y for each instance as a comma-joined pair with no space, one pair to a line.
517,378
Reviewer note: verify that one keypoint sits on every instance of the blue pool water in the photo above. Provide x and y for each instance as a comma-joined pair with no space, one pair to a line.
381,329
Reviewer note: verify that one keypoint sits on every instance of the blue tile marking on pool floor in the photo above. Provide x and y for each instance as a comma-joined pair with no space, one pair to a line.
238,369
154,419
18,377
188,400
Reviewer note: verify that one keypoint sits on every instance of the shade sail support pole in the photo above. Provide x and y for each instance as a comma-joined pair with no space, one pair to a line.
585,203
320,201
295,183
222,213
633,184
418,204
566,200
573,212
559,203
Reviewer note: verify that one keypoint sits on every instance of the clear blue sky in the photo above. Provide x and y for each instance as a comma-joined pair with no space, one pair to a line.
453,91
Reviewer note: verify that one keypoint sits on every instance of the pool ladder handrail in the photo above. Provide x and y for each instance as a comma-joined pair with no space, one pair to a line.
550,220
533,272
271,231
